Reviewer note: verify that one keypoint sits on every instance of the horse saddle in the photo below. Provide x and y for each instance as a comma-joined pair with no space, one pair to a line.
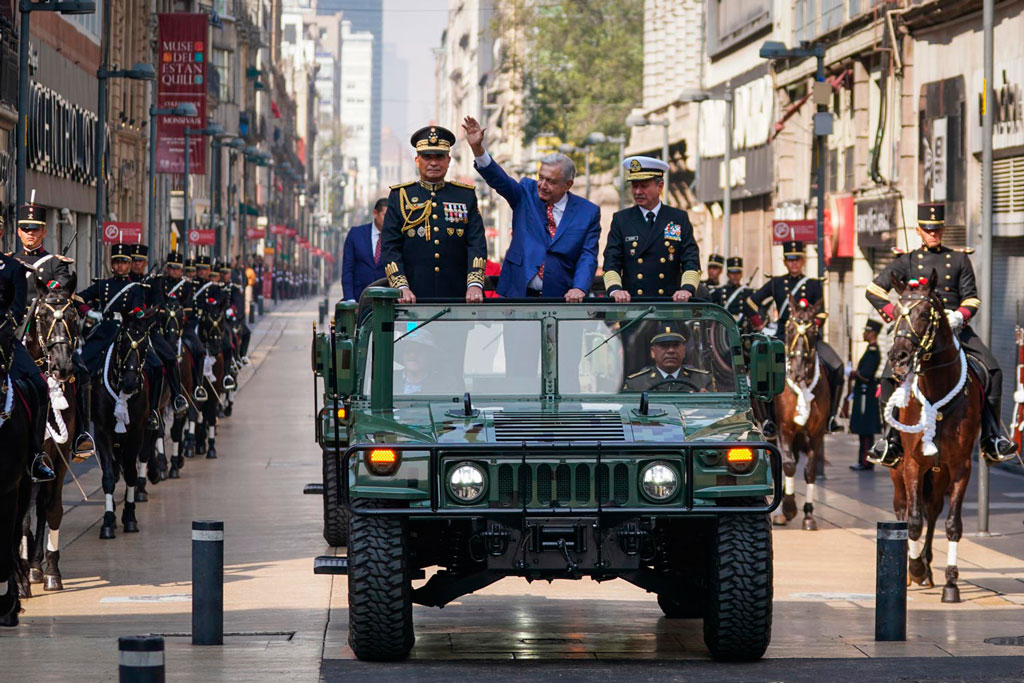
981,370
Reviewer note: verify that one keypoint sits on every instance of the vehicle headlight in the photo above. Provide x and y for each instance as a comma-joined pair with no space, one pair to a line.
659,481
467,482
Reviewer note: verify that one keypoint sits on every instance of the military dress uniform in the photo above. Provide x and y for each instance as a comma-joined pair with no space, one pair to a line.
864,413
112,298
235,297
778,290
432,239
654,378
650,252
733,297
956,286
713,260
39,262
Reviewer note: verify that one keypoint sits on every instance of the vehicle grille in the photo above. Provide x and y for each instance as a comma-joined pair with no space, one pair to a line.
558,427
564,485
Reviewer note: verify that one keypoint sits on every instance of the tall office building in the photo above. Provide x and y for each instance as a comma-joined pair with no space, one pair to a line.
366,15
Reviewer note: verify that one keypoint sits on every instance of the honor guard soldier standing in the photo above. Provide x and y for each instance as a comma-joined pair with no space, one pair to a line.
864,421
48,270
650,249
433,235
23,370
669,371
732,296
715,264
795,284
957,288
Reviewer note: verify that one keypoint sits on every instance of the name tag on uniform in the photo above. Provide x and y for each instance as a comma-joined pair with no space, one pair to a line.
633,237
454,212
673,231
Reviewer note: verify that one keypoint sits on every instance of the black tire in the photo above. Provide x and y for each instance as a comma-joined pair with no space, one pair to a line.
335,513
738,623
379,588
682,606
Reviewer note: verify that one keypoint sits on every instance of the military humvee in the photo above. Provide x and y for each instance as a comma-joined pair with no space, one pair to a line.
539,439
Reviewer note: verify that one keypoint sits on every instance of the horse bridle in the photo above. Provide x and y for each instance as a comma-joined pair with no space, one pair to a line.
58,316
136,346
923,343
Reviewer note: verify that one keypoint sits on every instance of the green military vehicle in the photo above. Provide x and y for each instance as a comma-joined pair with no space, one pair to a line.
544,440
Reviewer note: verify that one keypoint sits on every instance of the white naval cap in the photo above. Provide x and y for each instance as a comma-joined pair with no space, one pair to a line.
642,168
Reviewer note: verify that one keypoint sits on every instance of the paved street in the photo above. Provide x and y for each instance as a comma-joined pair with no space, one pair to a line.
284,622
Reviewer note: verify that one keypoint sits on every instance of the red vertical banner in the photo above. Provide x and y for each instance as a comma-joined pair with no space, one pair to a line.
181,78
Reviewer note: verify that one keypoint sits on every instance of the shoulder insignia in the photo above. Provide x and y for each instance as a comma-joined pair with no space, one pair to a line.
401,185
638,373
65,259
897,252
466,186
964,250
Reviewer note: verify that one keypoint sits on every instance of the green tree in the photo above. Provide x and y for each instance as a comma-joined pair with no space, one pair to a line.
583,70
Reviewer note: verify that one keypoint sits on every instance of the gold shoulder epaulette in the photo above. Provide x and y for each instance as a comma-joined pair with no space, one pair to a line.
965,250
641,372
399,186
467,186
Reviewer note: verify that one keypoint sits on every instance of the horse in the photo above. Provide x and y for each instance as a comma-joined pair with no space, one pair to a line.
16,425
122,404
211,333
939,406
801,410
172,326
51,341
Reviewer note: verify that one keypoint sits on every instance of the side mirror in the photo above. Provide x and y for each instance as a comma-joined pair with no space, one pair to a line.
767,367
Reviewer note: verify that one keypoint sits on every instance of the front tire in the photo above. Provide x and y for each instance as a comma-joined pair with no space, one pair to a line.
335,513
379,587
738,623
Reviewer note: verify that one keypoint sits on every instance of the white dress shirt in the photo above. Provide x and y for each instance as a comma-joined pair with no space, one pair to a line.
644,211
669,375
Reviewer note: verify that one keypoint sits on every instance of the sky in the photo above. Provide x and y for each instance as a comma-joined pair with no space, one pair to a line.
412,29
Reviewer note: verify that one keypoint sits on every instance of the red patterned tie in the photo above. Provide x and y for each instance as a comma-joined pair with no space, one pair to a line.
551,231
376,251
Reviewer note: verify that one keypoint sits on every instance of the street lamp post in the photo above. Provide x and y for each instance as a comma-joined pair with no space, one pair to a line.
601,139
775,50
211,129
639,121
186,110
727,97
25,8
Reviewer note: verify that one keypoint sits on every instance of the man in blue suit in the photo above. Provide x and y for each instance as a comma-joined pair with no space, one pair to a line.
362,263
554,232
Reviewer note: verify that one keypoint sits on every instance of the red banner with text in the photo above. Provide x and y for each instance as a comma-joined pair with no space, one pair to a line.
181,79
803,230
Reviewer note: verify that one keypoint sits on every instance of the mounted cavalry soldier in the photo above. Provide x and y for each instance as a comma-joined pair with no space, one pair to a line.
52,270
732,296
957,288
808,291
235,298
22,368
650,249
433,235
715,264
173,285
106,302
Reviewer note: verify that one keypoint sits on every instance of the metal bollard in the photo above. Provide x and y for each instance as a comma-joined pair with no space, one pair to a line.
259,303
891,582
141,659
252,313
207,582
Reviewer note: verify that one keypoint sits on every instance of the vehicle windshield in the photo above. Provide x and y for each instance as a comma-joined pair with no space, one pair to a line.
668,355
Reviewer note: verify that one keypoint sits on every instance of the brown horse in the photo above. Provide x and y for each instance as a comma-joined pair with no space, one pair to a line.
927,360
801,411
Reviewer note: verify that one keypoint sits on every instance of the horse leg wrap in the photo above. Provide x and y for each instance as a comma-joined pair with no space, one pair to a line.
915,547
159,446
53,540
129,494
23,548
951,556
143,469
810,496
108,502
789,485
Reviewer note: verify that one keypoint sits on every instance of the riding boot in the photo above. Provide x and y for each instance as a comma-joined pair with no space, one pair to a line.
85,446
174,382
888,450
155,389
835,400
41,468
995,447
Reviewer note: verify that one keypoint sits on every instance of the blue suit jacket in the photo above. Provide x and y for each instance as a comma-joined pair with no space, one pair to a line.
357,268
570,258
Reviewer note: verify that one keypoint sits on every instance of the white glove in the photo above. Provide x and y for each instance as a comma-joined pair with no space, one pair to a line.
95,315
956,320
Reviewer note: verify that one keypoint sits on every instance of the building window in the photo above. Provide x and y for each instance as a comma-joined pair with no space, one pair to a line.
221,60
89,24
731,23
831,14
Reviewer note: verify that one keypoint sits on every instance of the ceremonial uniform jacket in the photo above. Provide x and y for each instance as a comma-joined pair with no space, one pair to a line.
433,239
12,288
102,292
154,294
732,298
864,414
955,282
204,292
649,378
181,289
777,289
651,262
48,266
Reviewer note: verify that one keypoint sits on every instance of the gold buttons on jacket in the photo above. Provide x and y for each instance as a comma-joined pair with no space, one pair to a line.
639,260
639,292
437,241
662,259
434,216
437,269
639,276
437,256
661,291
661,276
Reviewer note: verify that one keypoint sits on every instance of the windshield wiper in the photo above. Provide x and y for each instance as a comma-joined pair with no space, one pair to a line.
622,328
444,311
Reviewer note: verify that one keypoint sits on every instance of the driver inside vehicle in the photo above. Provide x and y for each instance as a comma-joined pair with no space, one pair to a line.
668,371
419,373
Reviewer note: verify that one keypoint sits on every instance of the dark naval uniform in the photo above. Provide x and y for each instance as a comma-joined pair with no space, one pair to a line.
432,239
115,297
956,286
650,252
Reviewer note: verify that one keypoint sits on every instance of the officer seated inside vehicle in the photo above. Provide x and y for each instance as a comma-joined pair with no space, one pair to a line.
420,374
668,370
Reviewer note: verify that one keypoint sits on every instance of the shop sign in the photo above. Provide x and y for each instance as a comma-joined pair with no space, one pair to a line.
802,230
61,137
877,222
1007,105
122,233
203,238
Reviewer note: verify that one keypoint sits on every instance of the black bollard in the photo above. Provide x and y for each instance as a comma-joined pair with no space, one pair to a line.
259,304
141,659
891,582
207,583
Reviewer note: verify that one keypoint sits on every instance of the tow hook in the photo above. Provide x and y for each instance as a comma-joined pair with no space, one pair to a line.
630,538
570,566
495,539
